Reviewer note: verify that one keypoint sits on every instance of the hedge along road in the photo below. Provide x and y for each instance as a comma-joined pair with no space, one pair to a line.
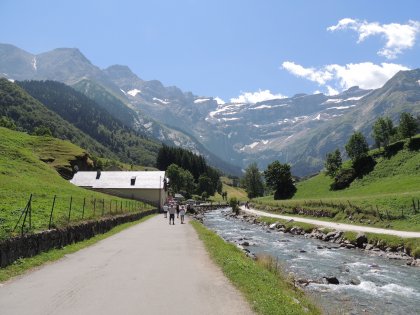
150,268
333,225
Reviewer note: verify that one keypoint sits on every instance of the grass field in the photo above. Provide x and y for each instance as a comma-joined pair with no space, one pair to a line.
23,173
266,289
383,198
237,192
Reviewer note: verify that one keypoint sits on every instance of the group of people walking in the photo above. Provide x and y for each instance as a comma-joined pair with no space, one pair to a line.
172,208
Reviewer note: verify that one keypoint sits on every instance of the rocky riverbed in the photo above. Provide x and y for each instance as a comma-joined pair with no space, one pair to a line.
351,276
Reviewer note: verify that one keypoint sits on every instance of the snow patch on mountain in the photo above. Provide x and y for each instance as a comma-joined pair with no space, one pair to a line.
34,64
356,98
333,100
253,145
341,107
161,101
148,125
134,92
230,119
201,100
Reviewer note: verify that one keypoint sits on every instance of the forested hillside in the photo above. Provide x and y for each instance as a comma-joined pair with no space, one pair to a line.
30,115
92,119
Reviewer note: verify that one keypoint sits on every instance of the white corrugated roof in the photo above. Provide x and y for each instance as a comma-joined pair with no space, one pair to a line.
145,180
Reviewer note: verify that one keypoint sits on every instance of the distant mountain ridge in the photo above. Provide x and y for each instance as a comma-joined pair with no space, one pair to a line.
299,130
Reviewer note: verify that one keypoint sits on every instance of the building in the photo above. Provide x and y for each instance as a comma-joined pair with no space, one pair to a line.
144,186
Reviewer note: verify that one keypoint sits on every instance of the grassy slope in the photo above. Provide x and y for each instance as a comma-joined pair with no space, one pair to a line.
236,192
391,187
22,173
266,291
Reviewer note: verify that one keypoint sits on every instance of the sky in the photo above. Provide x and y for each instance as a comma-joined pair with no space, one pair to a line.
236,50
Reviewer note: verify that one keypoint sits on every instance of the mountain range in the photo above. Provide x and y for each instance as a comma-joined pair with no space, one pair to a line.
299,130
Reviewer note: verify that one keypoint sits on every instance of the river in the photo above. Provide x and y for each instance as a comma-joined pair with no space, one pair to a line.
380,285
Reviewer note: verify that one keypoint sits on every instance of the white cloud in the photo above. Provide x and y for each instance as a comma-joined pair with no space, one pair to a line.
398,37
366,75
331,91
255,97
321,77
219,100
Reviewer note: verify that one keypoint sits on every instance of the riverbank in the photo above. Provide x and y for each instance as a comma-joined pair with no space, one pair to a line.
267,291
389,243
340,280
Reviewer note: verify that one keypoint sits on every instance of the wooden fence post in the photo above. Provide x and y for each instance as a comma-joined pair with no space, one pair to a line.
71,202
83,209
51,214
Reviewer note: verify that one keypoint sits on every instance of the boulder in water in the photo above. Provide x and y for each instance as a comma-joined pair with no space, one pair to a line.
331,280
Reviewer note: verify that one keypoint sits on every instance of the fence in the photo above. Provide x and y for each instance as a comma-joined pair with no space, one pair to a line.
41,212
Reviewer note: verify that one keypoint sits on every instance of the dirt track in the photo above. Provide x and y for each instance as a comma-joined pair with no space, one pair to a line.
334,225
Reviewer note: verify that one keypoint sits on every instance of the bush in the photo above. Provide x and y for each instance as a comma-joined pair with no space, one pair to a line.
364,165
343,179
416,253
393,148
233,203
414,144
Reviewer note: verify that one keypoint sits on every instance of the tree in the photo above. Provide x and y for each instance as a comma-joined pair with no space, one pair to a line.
408,125
205,185
253,181
7,122
174,173
333,163
42,131
279,178
357,147
382,131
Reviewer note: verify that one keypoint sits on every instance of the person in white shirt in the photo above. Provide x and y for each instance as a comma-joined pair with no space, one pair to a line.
172,210
182,214
165,210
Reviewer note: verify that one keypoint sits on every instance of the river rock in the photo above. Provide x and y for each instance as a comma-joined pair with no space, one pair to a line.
354,281
331,280
245,243
273,226
369,246
360,239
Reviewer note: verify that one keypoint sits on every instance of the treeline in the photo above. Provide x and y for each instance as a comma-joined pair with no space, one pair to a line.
82,112
188,172
357,149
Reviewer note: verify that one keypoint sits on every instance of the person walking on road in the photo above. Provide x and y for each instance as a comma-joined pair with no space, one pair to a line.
172,210
177,211
165,210
182,214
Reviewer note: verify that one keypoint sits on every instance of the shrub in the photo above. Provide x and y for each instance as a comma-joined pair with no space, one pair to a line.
394,148
233,203
364,165
414,144
343,179
416,253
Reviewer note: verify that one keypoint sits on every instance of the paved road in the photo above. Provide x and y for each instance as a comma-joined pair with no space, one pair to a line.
337,226
150,268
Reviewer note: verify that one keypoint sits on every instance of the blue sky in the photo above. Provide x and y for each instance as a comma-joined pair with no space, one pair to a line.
233,49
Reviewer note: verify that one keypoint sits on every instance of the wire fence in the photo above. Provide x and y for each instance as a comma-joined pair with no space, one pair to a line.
41,212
